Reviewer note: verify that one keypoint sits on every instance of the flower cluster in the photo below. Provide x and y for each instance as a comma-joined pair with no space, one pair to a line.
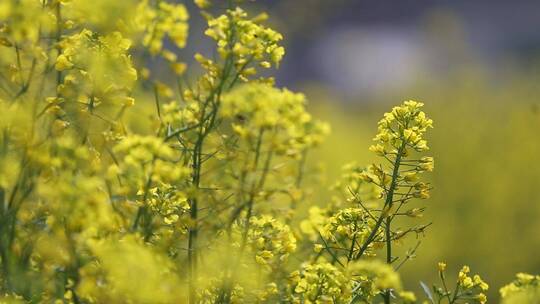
78,196
245,39
169,203
165,19
144,161
467,288
371,278
319,283
354,186
271,241
402,128
98,76
258,108
18,19
347,230
101,15
178,117
524,289
109,278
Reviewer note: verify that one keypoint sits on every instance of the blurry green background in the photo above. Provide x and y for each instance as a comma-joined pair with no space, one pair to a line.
475,65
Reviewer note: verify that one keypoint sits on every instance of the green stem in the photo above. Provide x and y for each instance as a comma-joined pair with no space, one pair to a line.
388,253
58,38
254,188
387,204
455,296
445,288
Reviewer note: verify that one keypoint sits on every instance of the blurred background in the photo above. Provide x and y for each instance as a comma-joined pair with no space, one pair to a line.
476,66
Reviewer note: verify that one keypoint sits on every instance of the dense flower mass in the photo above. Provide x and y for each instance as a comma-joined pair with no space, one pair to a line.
524,289
260,108
320,283
86,80
271,241
128,176
245,39
159,21
403,127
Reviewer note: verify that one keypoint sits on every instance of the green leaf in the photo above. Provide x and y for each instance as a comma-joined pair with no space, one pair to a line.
427,292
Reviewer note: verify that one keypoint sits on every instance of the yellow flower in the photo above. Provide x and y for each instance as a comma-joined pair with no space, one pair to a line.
202,4
62,63
167,19
179,68
442,266
378,149
467,282
128,101
524,278
481,298
408,296
246,39
257,107
480,283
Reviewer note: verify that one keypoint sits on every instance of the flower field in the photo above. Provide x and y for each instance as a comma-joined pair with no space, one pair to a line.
134,169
